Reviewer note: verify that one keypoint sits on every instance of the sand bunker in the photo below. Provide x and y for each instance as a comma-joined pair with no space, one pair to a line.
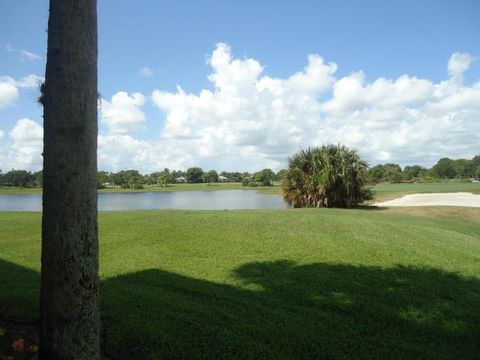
439,199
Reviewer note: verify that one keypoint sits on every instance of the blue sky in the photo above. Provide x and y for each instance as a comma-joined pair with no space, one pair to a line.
174,40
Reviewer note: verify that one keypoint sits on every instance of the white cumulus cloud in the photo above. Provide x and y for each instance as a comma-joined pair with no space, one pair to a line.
27,131
30,81
458,64
248,120
27,144
8,93
9,87
350,93
123,113
251,119
256,120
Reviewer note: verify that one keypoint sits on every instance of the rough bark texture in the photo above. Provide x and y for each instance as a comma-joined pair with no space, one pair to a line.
69,291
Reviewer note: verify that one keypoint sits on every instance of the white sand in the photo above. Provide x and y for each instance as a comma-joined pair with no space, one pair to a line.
439,199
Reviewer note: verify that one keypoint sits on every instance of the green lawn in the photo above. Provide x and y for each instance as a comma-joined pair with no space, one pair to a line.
19,191
277,284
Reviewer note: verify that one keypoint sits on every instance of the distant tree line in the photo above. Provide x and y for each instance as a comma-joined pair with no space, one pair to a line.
132,179
21,178
445,168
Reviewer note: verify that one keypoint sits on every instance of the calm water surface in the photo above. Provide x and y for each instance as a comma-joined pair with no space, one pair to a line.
185,200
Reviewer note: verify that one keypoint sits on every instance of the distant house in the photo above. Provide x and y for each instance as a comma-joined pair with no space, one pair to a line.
181,179
222,178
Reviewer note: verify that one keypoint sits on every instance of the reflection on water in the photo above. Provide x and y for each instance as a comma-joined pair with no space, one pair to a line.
187,200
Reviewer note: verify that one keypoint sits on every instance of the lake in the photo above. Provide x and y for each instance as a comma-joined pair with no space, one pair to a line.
186,200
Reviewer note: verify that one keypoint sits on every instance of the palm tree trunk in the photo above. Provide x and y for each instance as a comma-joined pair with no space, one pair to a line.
69,311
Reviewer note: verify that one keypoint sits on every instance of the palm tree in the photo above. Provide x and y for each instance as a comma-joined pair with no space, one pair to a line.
327,176
69,311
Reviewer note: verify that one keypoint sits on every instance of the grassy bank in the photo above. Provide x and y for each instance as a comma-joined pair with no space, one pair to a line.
343,284
19,191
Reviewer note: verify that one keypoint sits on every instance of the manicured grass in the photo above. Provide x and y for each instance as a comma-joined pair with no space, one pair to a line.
278,284
387,191
19,191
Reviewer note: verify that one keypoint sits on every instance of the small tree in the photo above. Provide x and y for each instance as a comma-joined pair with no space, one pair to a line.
21,178
152,178
464,168
194,175
392,172
376,174
477,172
130,179
413,172
165,177
102,179
476,162
266,176
445,168
38,178
327,176
210,176
281,174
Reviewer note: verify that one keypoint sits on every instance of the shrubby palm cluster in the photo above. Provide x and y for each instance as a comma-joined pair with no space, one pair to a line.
327,176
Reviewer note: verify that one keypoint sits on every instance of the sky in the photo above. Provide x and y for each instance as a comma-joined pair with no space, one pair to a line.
242,85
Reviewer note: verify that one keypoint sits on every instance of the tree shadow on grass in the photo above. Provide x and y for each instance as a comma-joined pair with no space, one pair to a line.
19,291
283,310
371,208
290,311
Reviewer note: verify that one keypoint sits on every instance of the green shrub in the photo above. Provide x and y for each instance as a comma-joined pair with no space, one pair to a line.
327,176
